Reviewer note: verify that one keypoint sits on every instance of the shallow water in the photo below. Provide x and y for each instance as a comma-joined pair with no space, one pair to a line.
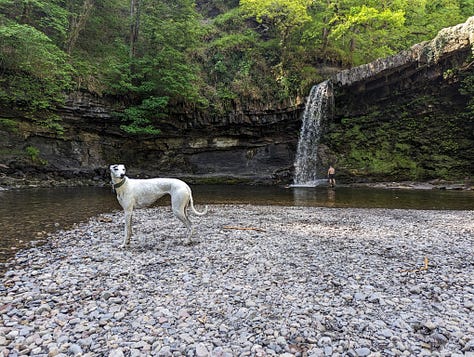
28,215
339,197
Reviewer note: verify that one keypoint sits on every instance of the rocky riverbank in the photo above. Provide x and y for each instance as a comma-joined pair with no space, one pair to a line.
36,180
259,280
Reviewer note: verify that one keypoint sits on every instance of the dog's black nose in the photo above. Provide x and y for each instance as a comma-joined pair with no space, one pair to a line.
122,175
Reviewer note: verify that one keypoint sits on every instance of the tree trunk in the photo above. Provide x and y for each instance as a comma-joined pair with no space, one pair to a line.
77,24
134,26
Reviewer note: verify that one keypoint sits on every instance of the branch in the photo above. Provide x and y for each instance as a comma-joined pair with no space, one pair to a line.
245,228
424,267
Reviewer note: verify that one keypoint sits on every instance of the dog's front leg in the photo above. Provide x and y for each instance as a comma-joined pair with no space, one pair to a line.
128,229
189,233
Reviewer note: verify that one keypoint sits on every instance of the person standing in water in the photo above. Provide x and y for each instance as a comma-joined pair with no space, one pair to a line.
331,176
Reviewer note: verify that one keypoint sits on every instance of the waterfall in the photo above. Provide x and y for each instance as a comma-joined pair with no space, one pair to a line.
318,107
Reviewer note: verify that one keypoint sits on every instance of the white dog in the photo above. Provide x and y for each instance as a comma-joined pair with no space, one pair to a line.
135,193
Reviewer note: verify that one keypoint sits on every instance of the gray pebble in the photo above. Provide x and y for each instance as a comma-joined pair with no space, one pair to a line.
75,349
361,352
332,282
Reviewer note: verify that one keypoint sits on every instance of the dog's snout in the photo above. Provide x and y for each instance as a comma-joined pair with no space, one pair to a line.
122,175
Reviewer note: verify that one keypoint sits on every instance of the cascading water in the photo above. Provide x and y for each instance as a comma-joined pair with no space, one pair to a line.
318,107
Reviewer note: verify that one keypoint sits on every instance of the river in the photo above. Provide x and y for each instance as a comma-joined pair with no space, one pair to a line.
28,215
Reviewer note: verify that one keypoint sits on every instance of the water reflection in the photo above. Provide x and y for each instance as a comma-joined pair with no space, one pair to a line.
311,196
331,197
27,215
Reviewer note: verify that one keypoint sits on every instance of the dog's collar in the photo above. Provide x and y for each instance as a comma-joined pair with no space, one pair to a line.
118,185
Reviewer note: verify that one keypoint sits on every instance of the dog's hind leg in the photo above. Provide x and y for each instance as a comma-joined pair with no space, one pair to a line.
179,205
181,214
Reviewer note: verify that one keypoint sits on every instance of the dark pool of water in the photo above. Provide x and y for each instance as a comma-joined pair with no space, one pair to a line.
26,214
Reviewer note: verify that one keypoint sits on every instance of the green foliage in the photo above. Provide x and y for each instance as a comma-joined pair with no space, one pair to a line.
138,118
424,18
235,63
355,33
25,49
9,125
230,20
206,54
284,18
51,121
365,45
34,154
284,14
467,89
46,16
35,71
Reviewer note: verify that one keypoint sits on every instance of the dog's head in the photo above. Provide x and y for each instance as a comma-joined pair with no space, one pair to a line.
117,170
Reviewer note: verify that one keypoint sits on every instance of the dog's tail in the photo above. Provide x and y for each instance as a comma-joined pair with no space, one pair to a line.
191,204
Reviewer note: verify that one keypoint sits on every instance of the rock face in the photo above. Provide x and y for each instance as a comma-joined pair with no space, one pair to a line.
248,145
403,117
407,116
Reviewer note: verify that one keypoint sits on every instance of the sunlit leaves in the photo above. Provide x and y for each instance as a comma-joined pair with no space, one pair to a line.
199,53
283,13
36,71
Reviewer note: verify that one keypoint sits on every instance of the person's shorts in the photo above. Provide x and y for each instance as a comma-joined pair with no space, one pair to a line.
331,176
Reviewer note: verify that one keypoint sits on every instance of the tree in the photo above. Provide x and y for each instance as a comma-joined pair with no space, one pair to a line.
424,18
153,54
46,16
77,22
100,53
134,26
347,31
365,32
162,35
35,73
285,17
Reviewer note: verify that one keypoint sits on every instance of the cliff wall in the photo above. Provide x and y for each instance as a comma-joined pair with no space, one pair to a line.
248,145
402,117
409,116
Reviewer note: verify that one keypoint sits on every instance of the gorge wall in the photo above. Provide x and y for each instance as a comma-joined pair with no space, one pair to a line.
402,117
249,145
409,116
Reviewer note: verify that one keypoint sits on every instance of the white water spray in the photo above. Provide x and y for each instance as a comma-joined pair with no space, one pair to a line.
318,107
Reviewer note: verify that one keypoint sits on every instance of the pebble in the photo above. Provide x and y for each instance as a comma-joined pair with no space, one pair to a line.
310,281
75,350
362,352
201,350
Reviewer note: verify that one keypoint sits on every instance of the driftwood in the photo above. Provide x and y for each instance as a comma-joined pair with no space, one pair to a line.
245,228
424,267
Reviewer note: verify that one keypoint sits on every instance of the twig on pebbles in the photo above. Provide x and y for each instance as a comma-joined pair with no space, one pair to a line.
424,267
245,228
